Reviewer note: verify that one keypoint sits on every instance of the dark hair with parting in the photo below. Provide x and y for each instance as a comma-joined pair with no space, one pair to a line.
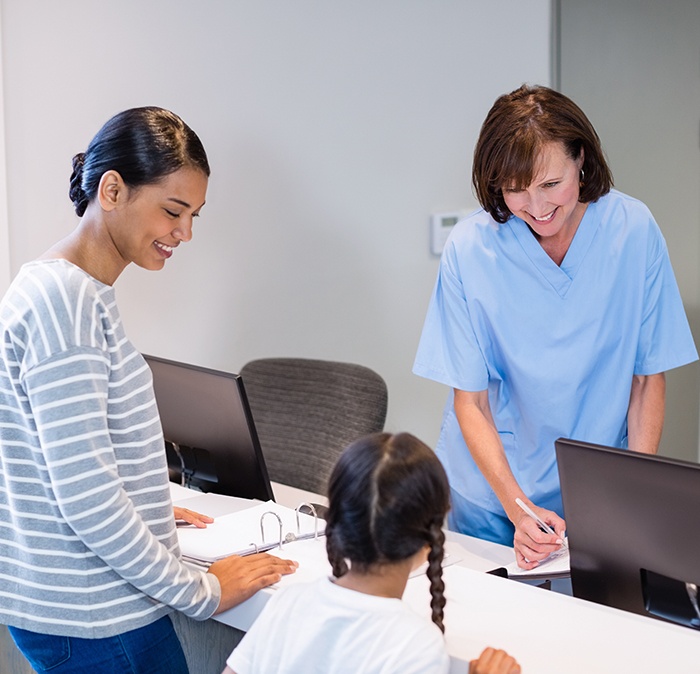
388,496
143,145
512,137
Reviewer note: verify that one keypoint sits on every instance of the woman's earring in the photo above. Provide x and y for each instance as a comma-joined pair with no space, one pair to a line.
581,177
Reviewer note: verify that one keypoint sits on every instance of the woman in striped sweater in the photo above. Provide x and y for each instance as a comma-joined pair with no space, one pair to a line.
89,560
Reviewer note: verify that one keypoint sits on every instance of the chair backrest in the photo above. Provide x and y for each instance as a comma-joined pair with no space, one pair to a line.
307,411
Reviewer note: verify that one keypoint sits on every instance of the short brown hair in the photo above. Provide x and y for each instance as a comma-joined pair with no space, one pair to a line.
512,137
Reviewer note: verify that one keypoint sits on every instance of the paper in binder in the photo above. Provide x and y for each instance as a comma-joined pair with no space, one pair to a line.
256,529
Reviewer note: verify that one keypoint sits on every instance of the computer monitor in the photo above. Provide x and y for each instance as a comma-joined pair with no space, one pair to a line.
633,524
210,437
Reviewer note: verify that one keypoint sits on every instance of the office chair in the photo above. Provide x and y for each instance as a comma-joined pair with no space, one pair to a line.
307,411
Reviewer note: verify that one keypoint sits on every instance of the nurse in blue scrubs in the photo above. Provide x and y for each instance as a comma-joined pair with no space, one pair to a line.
555,313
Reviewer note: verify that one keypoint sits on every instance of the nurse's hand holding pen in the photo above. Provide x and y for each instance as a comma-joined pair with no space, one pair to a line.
532,541
531,544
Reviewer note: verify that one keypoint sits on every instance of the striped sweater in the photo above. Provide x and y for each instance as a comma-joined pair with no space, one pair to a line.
88,546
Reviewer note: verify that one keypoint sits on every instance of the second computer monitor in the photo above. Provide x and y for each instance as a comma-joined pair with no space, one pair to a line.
633,522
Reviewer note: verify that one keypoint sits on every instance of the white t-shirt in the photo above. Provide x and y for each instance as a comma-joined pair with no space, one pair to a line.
322,628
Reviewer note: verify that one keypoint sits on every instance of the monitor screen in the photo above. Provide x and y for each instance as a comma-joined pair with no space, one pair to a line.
210,436
633,523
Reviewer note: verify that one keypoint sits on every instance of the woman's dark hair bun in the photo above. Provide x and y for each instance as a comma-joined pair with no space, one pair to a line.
76,193
143,145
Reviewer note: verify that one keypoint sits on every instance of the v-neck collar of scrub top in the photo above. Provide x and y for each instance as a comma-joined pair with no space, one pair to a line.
559,277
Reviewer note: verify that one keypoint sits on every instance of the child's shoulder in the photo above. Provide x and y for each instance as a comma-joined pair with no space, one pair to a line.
295,591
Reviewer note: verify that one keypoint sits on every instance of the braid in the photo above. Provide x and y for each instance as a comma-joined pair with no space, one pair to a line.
434,573
76,193
335,557
387,498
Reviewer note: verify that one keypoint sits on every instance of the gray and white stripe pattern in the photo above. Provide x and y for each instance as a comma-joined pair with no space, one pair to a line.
88,546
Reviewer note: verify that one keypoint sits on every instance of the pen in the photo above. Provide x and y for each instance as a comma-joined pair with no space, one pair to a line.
541,523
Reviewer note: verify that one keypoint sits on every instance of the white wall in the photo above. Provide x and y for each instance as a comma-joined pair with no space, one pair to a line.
645,103
333,130
5,272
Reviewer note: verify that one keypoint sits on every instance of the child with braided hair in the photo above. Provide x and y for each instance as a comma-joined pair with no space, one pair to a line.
388,497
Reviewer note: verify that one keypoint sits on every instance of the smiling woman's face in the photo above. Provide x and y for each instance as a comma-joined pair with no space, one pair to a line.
157,218
550,205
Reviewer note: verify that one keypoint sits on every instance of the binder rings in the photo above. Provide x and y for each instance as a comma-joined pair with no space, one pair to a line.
257,529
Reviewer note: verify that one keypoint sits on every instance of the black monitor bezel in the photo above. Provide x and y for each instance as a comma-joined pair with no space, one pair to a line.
632,524
233,421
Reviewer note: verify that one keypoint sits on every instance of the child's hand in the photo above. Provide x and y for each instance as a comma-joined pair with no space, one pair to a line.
494,661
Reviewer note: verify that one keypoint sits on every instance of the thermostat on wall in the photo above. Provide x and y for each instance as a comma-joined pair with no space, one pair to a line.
441,225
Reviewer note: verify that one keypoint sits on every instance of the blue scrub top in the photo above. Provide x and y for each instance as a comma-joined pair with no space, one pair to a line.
556,346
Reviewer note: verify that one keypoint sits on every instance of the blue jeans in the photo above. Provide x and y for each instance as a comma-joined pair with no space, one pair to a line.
154,649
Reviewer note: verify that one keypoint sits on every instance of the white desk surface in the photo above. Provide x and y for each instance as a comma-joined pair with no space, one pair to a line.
547,632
